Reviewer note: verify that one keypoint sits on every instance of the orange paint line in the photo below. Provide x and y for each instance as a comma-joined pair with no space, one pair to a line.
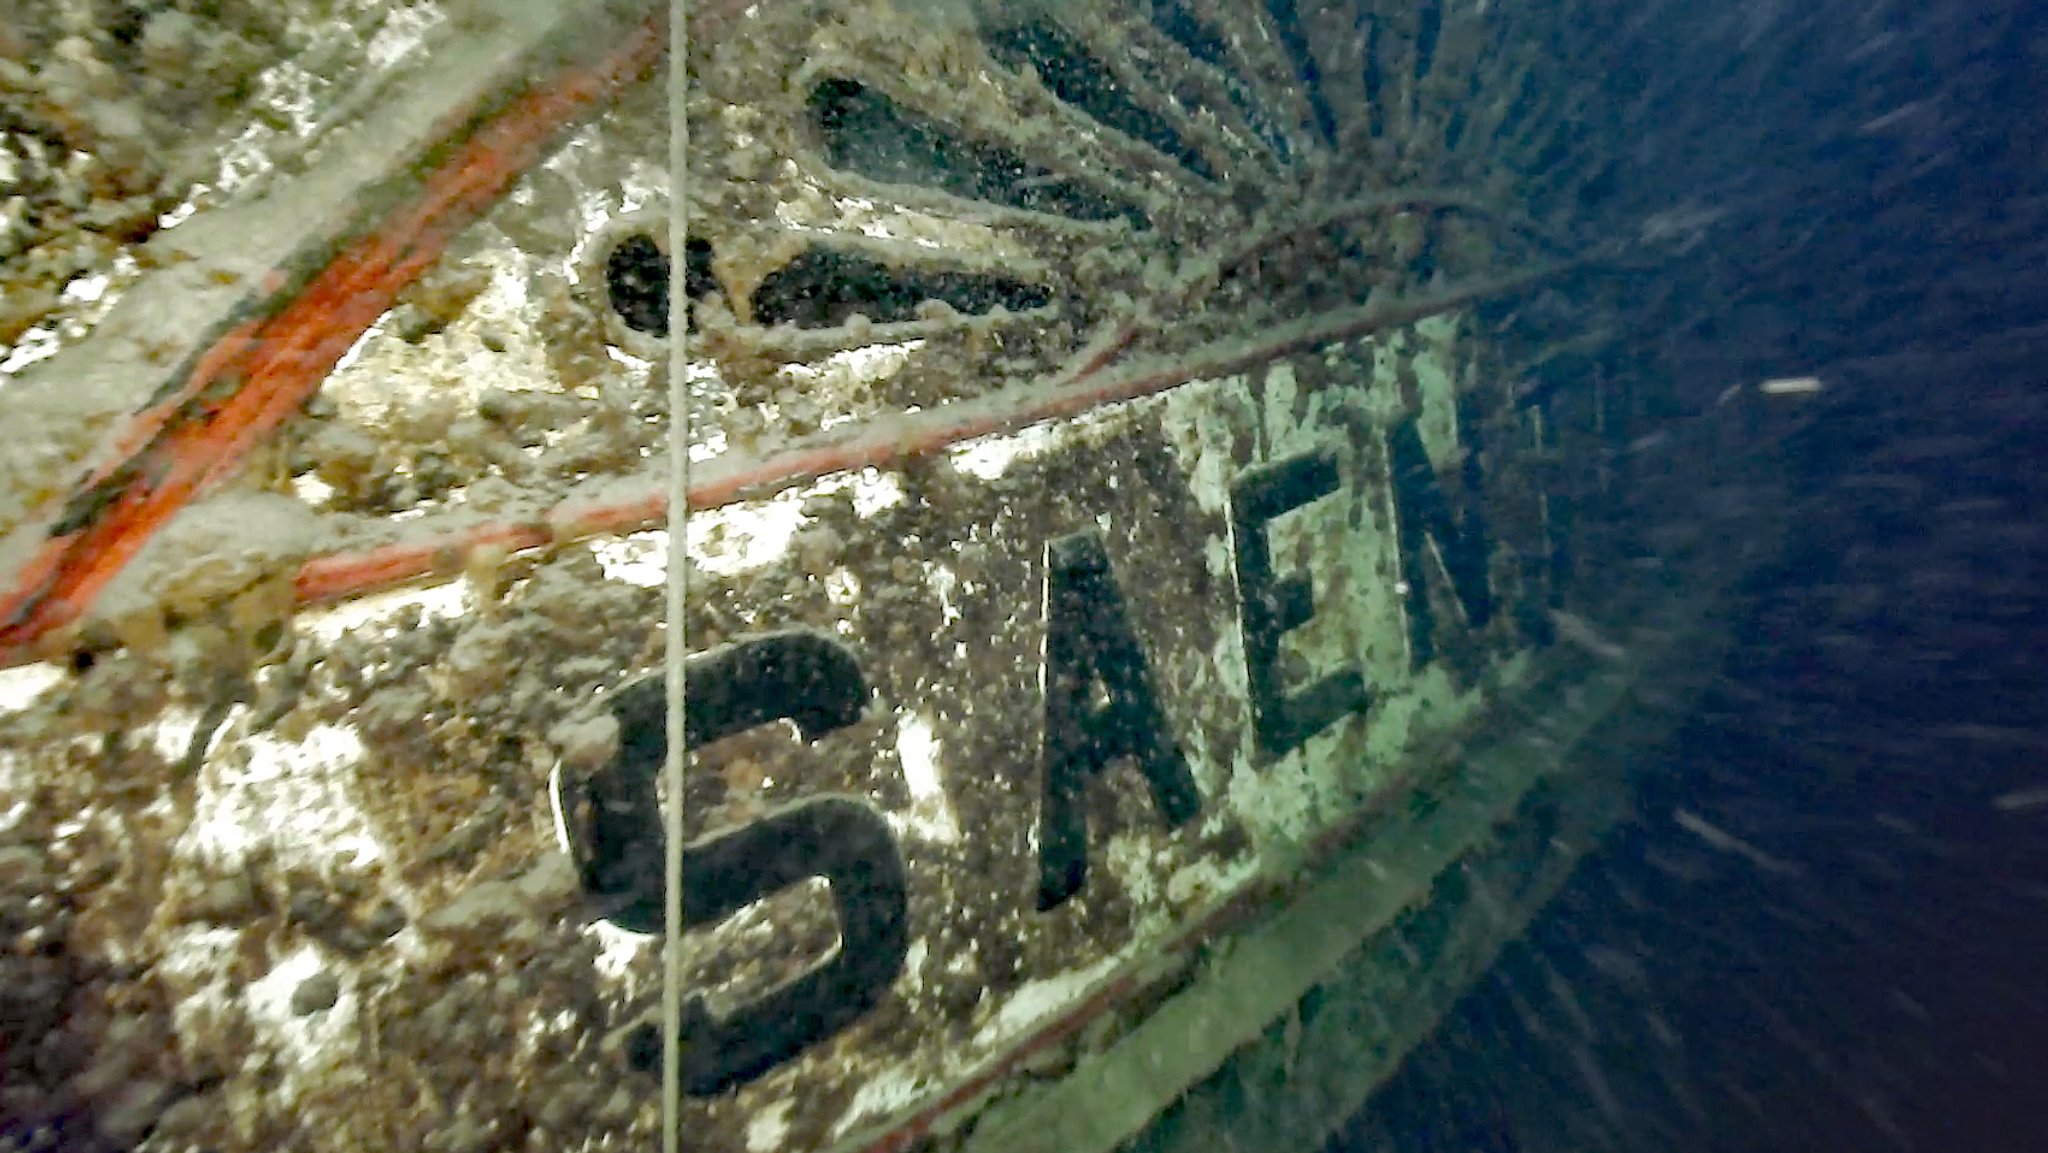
244,387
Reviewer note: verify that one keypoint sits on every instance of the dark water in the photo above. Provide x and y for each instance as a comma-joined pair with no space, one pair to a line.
1865,971
1877,986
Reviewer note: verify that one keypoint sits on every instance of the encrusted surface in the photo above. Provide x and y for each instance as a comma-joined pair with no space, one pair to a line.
285,879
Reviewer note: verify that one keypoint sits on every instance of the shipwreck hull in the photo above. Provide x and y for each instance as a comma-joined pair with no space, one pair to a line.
1172,578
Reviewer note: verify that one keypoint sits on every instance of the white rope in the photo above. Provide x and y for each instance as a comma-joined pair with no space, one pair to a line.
678,571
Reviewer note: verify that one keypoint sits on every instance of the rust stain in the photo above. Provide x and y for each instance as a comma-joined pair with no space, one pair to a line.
244,387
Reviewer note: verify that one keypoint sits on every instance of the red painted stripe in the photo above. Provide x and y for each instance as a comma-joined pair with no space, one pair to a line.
265,370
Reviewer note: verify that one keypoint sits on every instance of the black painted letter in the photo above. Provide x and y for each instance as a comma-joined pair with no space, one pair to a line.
619,841
1089,642
1269,608
1425,518
845,841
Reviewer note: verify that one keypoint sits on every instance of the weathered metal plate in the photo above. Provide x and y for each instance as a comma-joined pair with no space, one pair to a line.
1046,636
1294,1021
995,738
383,816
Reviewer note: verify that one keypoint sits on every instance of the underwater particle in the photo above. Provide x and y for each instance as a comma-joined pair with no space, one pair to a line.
1790,386
2019,799
1729,843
